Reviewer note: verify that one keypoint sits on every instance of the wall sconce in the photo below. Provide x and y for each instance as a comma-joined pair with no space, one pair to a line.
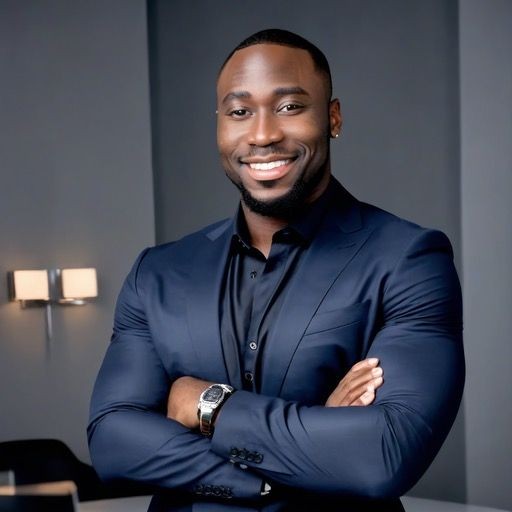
68,286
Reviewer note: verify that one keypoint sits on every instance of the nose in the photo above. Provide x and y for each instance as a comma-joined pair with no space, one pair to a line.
265,129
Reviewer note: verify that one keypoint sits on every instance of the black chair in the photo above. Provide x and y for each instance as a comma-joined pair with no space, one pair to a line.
50,460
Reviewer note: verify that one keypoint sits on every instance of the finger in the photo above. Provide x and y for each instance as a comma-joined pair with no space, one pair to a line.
364,364
353,397
352,387
362,378
366,398
364,394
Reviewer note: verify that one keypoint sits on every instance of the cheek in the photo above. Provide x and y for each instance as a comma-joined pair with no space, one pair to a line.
312,131
228,140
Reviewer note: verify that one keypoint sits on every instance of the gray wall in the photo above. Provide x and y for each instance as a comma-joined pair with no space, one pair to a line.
76,190
486,178
395,69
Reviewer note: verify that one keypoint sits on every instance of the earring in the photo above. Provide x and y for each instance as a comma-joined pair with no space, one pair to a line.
336,135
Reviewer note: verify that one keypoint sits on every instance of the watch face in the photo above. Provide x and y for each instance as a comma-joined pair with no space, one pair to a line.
213,394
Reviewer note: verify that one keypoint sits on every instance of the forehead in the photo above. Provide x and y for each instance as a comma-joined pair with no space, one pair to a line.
269,65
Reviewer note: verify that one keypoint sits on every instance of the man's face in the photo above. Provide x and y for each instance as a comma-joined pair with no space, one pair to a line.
273,128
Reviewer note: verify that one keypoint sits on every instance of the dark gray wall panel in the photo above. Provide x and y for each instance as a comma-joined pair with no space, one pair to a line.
486,177
76,191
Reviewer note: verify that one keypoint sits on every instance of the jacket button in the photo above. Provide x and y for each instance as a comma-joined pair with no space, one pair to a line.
249,377
258,457
250,457
234,452
242,454
253,345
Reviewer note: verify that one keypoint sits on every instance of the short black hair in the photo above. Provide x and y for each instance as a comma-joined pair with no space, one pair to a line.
287,38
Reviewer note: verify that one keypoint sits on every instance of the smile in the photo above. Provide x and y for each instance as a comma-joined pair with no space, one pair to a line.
267,166
272,170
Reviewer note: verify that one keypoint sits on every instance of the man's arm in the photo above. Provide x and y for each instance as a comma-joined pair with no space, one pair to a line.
356,388
129,434
381,450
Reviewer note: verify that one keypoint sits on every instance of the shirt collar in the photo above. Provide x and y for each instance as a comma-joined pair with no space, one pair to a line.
301,230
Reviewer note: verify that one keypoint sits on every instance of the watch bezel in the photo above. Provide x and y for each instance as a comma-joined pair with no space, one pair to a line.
206,409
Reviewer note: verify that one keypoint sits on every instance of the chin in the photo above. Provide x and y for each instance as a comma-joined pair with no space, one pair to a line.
284,204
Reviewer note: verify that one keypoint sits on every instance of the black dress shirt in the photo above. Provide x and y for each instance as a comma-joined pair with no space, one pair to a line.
255,286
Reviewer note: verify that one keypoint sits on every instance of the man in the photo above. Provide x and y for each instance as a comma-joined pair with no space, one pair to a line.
257,321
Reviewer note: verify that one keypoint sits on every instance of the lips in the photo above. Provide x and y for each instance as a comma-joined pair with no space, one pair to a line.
269,170
267,166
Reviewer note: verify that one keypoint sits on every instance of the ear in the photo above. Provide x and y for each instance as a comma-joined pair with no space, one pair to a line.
335,117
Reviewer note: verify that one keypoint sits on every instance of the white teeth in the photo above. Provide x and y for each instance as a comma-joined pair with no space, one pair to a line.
266,166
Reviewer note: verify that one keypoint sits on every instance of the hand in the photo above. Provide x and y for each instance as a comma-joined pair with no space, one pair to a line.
358,386
183,399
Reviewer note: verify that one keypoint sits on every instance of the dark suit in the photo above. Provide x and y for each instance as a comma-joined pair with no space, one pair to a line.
369,284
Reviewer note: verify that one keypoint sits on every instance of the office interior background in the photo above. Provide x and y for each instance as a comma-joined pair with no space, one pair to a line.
107,116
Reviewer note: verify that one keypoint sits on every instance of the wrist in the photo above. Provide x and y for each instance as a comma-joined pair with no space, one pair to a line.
210,403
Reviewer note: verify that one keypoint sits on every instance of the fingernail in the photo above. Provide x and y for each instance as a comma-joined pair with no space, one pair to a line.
377,372
373,360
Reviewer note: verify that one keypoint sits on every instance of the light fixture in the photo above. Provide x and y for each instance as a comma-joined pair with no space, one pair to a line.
68,286
29,285
77,285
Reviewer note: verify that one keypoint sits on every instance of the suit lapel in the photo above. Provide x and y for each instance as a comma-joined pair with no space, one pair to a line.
337,242
203,296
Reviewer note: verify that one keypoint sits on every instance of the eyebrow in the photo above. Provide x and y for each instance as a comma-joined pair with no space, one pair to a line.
280,91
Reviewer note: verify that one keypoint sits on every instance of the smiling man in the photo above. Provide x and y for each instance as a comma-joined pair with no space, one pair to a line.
304,355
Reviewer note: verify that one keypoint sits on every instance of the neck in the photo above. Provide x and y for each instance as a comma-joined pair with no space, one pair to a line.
261,229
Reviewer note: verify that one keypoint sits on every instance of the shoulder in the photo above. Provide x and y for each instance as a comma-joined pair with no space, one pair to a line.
178,253
388,235
398,234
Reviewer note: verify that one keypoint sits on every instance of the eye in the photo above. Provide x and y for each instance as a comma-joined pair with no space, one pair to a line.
290,107
238,113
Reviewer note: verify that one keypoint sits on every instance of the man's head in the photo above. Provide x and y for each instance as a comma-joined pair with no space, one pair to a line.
286,38
275,117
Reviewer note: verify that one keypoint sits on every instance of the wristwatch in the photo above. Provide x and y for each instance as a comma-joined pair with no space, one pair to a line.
210,402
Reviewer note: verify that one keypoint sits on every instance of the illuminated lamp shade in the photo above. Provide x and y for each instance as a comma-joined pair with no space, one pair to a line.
79,283
30,285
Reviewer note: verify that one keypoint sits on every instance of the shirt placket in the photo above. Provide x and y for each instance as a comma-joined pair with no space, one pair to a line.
265,289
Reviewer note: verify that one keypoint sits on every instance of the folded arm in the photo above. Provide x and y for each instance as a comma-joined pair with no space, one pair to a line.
374,451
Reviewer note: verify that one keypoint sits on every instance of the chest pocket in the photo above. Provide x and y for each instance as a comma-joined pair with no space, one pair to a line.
331,344
327,320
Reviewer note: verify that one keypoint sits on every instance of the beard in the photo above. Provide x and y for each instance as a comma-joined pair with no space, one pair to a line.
288,205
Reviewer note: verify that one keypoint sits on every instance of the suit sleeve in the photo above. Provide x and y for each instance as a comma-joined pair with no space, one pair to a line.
381,450
129,434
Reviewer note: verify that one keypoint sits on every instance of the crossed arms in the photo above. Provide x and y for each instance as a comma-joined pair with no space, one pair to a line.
375,451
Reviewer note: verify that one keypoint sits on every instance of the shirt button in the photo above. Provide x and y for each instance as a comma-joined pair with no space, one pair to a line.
253,345
249,376
253,274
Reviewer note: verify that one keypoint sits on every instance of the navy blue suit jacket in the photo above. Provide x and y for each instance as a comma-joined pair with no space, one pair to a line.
370,284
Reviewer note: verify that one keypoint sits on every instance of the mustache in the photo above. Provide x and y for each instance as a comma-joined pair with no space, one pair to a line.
271,149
